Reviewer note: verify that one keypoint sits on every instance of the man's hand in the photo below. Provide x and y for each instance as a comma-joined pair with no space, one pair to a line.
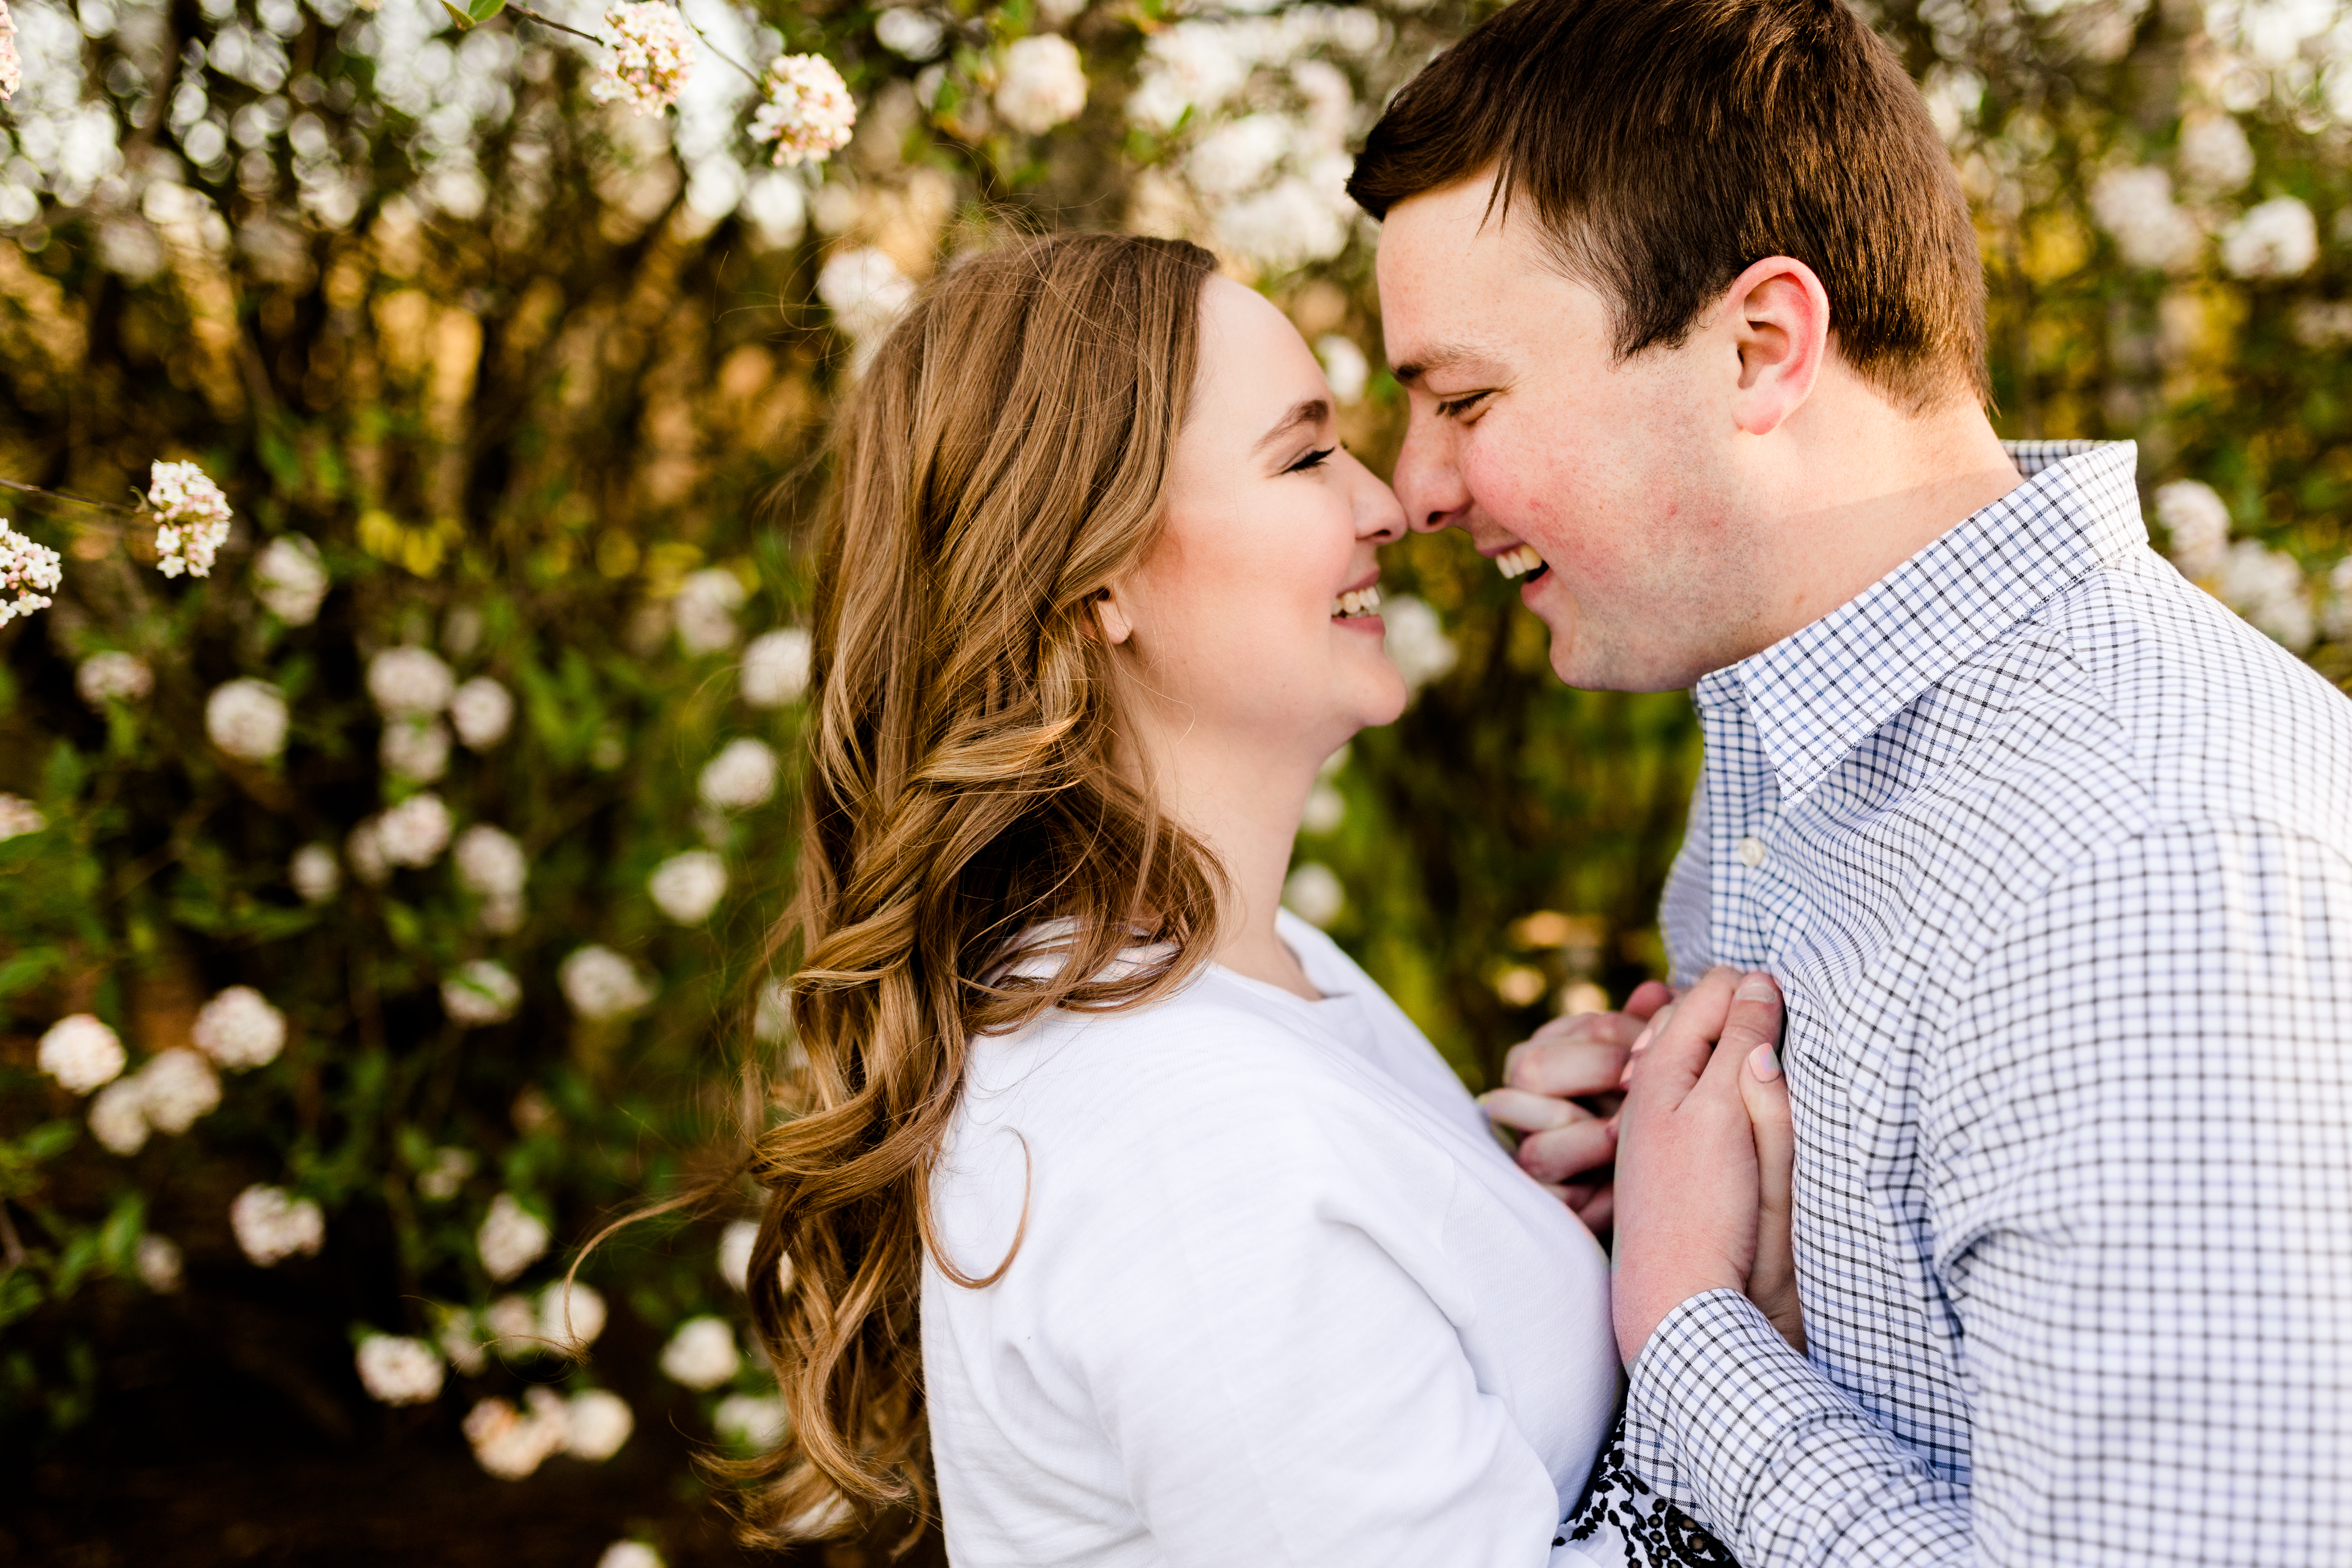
1561,1090
1690,1190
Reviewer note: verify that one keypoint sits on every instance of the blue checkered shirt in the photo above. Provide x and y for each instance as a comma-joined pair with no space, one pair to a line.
2052,857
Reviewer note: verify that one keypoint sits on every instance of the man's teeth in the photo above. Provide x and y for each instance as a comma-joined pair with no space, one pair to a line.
1518,560
1356,601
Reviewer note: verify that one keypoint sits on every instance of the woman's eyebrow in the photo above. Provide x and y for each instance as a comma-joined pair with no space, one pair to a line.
1313,411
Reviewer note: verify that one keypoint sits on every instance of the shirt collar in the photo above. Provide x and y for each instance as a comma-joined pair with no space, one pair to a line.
1816,694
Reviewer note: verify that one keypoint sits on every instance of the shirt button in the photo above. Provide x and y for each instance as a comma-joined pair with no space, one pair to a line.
1752,851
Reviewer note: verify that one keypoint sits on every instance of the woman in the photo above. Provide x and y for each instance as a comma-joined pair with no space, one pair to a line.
1124,1193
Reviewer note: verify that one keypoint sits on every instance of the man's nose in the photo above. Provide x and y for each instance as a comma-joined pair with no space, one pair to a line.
1428,479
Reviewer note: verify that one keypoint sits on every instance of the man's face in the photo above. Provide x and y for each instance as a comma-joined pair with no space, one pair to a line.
1527,433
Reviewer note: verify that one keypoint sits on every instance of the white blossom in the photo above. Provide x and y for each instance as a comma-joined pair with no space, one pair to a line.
1313,893
2267,587
742,775
2136,205
735,1251
175,1088
776,668
410,682
481,711
651,63
701,1353
19,816
364,850
289,578
865,292
2198,521
510,1444
1416,641
445,1173
597,1423
415,832
118,1115
1042,83
82,1053
601,984
316,874
750,1420
2214,156
461,1340
772,1014
510,1239
12,68
248,718
238,1028
114,677
571,1316
397,1369
416,750
1325,810
489,861
481,991
272,1224
2278,239
2335,619
158,1261
705,610
629,1554
687,887
191,519
805,109
513,1325
909,33
1295,221
1344,366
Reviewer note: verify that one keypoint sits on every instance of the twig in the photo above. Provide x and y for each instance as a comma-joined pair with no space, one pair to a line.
558,27
749,74
78,501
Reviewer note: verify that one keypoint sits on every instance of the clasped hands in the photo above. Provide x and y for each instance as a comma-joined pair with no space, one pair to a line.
1670,1120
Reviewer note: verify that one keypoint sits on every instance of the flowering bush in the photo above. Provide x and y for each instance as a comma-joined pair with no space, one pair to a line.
396,778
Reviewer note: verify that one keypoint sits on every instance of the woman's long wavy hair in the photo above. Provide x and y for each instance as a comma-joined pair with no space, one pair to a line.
1003,461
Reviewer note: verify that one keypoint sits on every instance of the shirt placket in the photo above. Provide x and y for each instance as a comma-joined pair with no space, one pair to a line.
1742,805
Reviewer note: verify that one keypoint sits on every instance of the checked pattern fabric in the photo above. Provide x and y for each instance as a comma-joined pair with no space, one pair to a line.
2052,857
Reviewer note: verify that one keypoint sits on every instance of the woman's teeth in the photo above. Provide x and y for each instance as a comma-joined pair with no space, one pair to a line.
1356,601
1518,560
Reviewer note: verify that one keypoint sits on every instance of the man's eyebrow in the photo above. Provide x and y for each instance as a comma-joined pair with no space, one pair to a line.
1313,411
1445,356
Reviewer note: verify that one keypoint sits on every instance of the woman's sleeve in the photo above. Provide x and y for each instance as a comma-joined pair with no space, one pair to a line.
1269,1354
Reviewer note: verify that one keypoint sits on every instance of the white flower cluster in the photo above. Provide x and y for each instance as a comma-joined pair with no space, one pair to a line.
2214,155
701,1353
12,68
651,63
705,610
248,718
114,677
2276,238
30,571
412,833
510,1239
82,1053
1344,367
411,686
806,111
161,1267
776,668
687,887
167,1095
1042,83
191,519
480,991
397,1369
601,984
1313,892
735,1244
19,816
1416,642
866,294
742,775
2265,585
445,1173
315,873
481,711
909,33
2150,230
289,578
634,1554
239,1029
750,1420
510,1444
491,865
272,1224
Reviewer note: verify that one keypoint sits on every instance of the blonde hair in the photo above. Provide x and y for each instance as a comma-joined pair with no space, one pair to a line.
1003,461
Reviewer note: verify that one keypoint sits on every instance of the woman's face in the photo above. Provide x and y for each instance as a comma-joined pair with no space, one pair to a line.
1244,621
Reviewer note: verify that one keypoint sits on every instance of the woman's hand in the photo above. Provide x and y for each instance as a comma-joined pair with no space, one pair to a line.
1692,1189
1561,1089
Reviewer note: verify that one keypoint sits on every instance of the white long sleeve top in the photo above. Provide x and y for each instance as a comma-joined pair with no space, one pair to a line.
1280,1298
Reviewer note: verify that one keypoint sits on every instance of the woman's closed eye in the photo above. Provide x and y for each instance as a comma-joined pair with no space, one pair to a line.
1314,459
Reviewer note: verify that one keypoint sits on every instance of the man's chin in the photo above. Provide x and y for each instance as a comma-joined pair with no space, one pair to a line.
1589,661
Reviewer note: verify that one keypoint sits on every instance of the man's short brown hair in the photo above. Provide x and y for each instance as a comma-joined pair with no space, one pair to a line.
1666,145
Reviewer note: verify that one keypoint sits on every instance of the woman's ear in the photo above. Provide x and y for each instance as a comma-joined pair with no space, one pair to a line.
1111,614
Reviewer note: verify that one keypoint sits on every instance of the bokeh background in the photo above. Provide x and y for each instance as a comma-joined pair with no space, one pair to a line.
429,843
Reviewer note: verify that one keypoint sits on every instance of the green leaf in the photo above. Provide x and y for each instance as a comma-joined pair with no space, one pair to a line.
483,10
50,1139
459,17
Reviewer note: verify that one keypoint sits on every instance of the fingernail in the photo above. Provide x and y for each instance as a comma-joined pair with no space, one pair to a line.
1757,987
1765,1063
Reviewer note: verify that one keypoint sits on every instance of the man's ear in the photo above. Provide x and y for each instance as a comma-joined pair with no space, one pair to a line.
1779,314
1111,615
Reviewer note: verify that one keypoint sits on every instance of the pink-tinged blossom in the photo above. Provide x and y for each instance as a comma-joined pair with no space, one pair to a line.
248,718
653,59
600,1421
82,1053
175,1088
415,832
191,519
397,1369
114,677
30,571
272,1224
808,112
118,1115
510,1443
12,68
511,1238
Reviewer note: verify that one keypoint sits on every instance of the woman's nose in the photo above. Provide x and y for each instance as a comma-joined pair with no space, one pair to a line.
1378,517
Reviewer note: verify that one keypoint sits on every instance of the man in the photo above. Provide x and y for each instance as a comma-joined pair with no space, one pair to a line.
2050,856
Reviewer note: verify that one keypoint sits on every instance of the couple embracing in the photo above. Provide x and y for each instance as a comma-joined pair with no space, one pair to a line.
1984,1191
